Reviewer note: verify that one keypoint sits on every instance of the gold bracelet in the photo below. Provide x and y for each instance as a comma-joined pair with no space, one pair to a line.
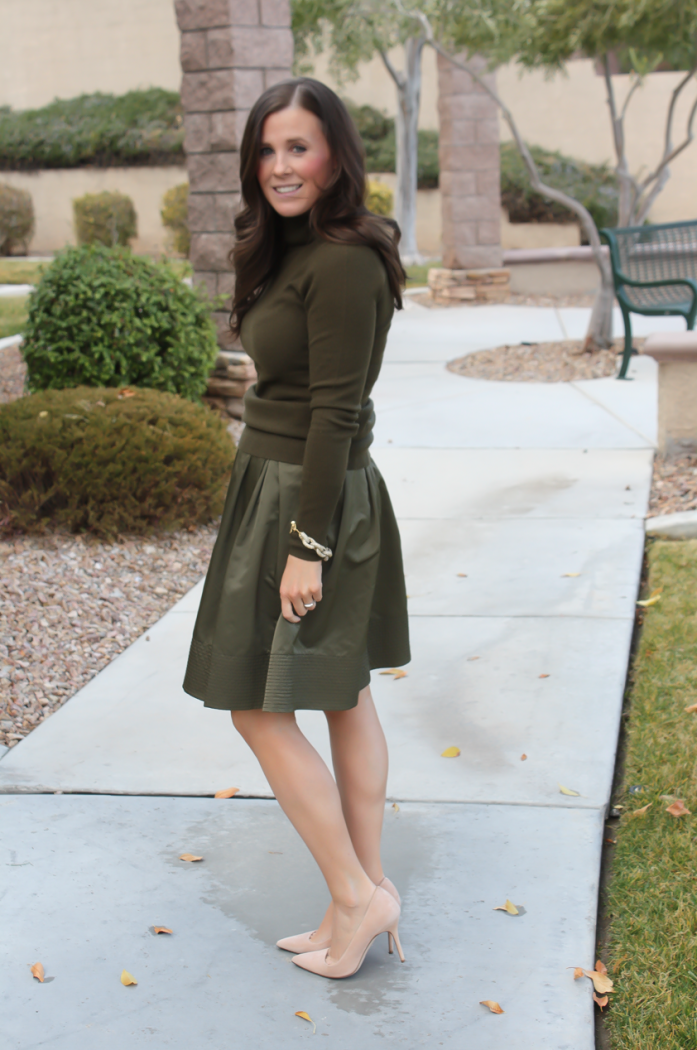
312,545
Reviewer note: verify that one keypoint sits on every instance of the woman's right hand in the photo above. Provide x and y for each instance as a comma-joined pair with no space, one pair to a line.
301,586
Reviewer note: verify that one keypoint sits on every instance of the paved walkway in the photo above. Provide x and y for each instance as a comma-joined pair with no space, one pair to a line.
521,508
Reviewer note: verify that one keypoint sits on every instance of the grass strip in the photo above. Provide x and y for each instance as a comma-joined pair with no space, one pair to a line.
651,897
19,271
13,314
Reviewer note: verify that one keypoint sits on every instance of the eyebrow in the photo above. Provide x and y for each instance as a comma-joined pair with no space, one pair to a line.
293,141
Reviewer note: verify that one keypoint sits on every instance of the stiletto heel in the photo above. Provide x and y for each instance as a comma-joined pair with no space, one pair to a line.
381,916
303,942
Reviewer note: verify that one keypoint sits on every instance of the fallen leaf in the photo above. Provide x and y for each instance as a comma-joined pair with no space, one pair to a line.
471,658
571,574
691,708
42,415
509,907
523,758
654,597
395,807
190,857
611,842
450,752
492,1004
678,809
38,971
126,392
161,929
641,812
543,676
600,966
601,1002
226,793
396,672
306,1017
578,972
567,791
127,978
601,982
464,574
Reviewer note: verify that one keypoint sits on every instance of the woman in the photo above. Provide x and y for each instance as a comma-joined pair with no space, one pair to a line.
305,589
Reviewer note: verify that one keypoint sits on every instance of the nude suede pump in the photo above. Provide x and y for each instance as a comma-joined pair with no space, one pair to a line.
303,942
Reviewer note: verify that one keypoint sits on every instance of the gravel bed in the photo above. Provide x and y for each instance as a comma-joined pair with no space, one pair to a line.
674,485
559,362
69,605
12,373
514,299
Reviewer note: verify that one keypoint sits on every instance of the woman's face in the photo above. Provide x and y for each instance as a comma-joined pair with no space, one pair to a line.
295,163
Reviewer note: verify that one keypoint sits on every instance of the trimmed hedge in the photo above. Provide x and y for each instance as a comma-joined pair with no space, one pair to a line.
378,134
109,462
107,218
140,127
175,215
16,218
104,317
379,199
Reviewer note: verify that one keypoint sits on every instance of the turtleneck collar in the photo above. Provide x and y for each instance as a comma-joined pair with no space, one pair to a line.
296,230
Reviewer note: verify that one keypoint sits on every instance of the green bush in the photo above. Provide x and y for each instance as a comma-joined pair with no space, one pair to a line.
107,218
16,218
140,127
175,215
378,134
107,462
104,317
594,185
379,198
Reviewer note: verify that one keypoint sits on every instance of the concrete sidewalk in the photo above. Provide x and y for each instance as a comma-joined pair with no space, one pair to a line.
521,508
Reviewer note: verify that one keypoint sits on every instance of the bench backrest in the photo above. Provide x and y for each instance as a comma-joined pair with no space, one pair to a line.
653,253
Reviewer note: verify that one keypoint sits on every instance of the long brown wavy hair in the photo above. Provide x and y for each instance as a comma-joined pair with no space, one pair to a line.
339,215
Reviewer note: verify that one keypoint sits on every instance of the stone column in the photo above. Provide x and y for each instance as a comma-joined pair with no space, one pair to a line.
470,186
231,51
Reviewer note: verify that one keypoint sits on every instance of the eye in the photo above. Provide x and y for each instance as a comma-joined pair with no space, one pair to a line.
265,151
299,149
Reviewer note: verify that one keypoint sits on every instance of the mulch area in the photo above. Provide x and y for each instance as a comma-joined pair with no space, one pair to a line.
555,362
515,299
674,486
12,373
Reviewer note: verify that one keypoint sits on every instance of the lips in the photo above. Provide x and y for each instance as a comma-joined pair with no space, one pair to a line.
287,189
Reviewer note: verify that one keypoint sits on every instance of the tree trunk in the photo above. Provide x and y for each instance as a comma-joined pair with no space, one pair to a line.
407,124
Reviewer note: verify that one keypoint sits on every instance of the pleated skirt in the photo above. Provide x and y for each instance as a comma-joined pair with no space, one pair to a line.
244,654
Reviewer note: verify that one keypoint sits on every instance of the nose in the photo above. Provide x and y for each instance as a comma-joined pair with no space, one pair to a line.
282,164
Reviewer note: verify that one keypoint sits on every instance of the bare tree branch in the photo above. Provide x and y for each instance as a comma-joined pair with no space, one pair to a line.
395,74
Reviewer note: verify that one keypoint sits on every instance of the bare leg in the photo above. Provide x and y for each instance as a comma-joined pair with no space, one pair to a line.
359,756
308,795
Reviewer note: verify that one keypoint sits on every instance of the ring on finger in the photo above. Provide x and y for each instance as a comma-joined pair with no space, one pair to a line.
310,606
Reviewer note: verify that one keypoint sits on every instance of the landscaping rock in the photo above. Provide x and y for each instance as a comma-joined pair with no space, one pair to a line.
681,526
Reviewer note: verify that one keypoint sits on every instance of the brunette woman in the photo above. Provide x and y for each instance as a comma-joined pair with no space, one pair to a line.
305,590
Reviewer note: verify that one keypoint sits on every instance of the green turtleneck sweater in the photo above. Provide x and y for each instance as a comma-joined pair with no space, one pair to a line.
317,336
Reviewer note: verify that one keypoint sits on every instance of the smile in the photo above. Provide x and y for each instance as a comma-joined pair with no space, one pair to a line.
287,189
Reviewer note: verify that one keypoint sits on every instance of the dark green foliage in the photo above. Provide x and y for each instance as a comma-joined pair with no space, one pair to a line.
108,462
175,215
378,134
105,218
16,218
140,127
104,317
594,185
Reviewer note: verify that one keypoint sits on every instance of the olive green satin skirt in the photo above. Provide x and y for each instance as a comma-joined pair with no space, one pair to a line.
244,654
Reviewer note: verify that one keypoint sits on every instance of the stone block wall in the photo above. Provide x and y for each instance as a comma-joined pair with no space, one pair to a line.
470,178
231,51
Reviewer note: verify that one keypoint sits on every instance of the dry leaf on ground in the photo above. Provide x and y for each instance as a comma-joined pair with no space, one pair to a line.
600,966
226,793
38,971
523,758
654,597
568,791
578,972
306,1017
161,929
601,981
462,574
127,978
492,1004
678,809
450,752
189,857
509,907
571,574
396,672
602,1002
471,658
691,708
395,807
543,676
641,812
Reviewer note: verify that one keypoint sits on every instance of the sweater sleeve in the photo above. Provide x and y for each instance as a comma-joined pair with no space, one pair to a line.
341,305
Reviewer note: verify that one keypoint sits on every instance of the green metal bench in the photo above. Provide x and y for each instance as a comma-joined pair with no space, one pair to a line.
655,272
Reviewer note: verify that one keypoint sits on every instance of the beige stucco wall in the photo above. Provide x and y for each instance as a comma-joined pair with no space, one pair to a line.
53,193
62,48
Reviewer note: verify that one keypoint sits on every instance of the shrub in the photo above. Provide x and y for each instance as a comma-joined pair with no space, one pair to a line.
378,134
104,317
107,462
105,218
140,127
175,215
379,198
594,185
16,218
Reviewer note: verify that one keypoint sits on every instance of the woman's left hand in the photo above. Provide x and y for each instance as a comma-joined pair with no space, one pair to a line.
301,588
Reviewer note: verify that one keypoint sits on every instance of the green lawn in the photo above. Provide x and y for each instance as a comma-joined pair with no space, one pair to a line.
418,275
651,898
19,271
13,315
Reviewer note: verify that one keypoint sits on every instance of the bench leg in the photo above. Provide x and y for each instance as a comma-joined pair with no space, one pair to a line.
627,353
